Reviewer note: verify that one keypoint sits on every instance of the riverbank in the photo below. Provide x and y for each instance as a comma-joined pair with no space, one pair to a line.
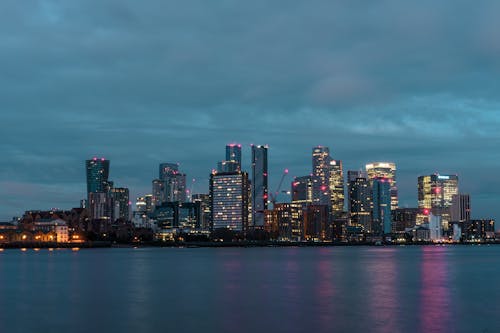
240,244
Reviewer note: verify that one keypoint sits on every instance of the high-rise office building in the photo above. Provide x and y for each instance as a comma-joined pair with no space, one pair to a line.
381,210
233,154
435,193
159,192
99,198
174,184
304,188
187,215
229,193
460,208
385,170
121,202
204,200
289,220
336,186
260,195
360,200
317,223
97,175
101,206
232,163
321,169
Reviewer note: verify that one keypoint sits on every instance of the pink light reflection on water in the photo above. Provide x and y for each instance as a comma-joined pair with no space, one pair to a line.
435,304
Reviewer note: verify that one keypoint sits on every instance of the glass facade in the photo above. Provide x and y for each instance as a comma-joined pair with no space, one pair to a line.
360,199
435,193
381,211
97,175
321,169
260,194
385,170
337,186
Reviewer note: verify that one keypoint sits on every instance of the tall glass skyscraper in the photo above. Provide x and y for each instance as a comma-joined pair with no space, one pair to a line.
172,182
360,200
336,186
435,192
97,175
233,154
385,170
321,169
381,212
260,194
99,198
121,201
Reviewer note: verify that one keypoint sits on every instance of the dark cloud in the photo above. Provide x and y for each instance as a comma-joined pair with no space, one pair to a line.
143,83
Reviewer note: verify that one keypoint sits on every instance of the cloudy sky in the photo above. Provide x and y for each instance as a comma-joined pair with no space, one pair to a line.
144,82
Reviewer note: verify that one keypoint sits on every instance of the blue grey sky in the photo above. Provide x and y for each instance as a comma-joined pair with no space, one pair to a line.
144,82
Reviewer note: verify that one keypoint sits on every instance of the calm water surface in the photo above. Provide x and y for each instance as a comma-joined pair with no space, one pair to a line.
335,289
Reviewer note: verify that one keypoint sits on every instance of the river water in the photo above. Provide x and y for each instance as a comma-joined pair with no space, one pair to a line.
314,289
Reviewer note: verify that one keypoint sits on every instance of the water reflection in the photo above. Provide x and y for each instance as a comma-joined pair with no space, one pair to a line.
435,305
382,277
231,313
325,291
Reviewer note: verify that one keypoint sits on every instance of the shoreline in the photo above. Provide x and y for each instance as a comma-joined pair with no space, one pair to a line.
243,244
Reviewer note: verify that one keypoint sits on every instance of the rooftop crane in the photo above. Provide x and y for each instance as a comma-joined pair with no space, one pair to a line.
274,195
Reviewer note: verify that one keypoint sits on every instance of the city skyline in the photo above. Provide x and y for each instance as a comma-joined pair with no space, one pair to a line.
246,167
374,82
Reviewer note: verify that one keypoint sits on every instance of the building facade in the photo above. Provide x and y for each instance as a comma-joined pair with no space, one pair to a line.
229,194
260,195
381,210
385,170
121,202
435,193
97,175
337,196
360,200
321,169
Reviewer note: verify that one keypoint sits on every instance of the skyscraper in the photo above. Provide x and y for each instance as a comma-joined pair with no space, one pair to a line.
259,185
229,193
435,192
121,203
336,186
101,206
321,169
97,175
99,198
233,154
385,170
174,184
381,211
360,200
204,200
303,189
159,192
232,163
460,208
